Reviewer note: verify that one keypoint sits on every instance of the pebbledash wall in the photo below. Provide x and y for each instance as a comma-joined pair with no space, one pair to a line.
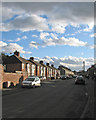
10,78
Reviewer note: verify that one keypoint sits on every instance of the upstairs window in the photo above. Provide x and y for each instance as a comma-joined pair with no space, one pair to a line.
22,65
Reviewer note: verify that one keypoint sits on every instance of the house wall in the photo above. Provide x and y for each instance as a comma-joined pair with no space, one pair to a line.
14,67
44,71
15,78
38,71
33,69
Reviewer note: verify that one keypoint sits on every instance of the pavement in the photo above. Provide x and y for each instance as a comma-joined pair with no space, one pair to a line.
54,99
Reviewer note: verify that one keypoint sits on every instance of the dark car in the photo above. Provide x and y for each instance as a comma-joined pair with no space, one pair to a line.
64,77
79,80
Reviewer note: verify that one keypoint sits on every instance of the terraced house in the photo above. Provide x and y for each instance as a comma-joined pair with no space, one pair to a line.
39,67
15,63
16,69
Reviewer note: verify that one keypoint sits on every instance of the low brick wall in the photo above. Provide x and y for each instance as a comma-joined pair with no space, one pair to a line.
13,77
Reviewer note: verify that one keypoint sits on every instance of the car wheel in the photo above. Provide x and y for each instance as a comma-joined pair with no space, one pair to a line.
34,86
22,86
83,83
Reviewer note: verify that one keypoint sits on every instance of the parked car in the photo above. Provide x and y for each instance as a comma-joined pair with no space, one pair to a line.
70,77
42,78
31,82
64,77
79,80
74,76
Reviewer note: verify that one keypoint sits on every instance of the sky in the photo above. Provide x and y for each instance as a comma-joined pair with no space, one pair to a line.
61,33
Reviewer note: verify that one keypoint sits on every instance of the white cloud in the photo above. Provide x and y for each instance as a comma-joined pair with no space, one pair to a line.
74,63
59,15
64,41
88,29
9,12
57,41
92,46
33,44
12,47
43,35
26,23
34,36
2,44
18,39
10,40
93,35
58,27
24,37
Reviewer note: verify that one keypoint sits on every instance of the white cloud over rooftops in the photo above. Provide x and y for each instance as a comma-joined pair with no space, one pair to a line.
33,44
59,41
74,63
12,47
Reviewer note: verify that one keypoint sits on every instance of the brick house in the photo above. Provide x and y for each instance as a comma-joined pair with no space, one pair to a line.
53,71
65,71
39,67
49,70
15,63
44,69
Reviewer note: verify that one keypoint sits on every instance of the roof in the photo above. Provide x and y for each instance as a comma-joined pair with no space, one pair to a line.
64,67
43,65
35,62
15,59
23,60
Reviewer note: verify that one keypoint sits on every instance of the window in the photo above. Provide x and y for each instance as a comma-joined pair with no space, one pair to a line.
22,65
44,71
33,69
51,72
38,68
5,67
28,69
41,71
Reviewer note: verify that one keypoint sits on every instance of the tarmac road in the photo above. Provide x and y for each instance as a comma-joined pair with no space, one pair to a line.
54,99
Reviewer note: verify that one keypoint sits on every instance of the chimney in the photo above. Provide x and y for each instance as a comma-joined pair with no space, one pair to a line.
52,65
16,53
41,62
47,64
32,58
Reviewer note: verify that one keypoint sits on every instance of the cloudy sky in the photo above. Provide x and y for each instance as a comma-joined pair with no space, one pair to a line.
59,33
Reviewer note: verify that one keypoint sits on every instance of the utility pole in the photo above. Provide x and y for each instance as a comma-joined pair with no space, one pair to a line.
84,65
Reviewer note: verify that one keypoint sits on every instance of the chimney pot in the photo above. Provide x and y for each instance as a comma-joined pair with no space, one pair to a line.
47,64
52,65
41,62
17,53
32,58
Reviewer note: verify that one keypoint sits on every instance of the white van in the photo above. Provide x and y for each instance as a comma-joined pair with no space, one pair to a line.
31,82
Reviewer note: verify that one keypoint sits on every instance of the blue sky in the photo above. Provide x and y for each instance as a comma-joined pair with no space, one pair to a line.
57,30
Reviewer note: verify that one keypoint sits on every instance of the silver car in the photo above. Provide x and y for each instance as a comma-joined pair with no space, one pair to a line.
31,82
79,80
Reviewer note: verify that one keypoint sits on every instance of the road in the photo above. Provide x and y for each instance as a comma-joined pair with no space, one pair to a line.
54,99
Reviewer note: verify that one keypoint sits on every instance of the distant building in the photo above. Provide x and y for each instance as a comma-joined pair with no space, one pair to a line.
65,71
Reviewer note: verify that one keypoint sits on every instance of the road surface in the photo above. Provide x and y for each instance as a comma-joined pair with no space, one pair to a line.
54,99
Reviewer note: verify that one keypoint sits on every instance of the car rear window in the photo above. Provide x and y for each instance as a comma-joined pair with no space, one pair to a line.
80,78
30,79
